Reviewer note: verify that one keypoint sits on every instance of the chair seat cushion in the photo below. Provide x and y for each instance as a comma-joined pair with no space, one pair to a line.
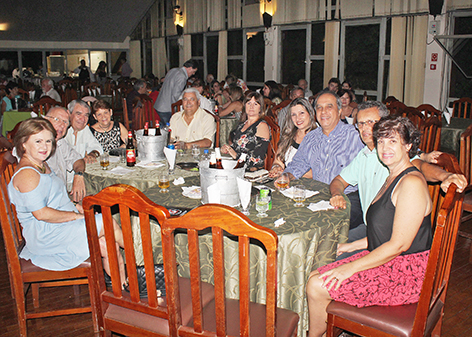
156,324
286,324
395,320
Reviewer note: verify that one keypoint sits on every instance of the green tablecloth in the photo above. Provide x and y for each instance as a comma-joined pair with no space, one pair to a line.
451,135
11,118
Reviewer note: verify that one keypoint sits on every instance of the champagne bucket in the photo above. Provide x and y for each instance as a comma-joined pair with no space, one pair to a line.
226,180
151,148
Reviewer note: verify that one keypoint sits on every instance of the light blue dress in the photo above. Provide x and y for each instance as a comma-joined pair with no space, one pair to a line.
52,246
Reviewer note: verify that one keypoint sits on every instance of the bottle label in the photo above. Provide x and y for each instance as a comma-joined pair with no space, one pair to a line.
130,156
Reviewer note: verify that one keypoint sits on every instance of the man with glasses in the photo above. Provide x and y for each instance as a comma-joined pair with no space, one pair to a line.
66,159
369,174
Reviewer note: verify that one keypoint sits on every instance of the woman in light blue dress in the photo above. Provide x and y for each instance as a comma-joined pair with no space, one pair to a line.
54,229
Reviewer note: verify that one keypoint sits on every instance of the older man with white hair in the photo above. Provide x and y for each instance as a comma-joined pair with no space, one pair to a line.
192,125
47,86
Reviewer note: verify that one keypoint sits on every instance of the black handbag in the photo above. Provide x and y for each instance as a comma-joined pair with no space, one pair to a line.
160,282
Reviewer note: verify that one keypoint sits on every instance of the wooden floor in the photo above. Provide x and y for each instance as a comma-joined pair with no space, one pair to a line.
457,321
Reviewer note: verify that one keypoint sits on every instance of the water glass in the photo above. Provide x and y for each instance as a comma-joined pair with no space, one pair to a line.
299,195
195,152
164,183
104,160
262,206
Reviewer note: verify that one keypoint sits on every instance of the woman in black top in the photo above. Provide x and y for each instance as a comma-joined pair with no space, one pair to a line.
391,269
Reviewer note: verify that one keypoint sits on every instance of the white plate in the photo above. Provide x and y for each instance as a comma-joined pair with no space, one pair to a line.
194,193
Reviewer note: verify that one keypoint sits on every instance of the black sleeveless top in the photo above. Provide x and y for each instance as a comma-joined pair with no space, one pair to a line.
380,216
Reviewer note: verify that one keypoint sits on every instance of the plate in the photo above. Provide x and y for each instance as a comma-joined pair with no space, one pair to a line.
188,166
193,193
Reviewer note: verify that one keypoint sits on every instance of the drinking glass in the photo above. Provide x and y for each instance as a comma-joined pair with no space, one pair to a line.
283,181
104,160
262,206
299,195
164,183
195,152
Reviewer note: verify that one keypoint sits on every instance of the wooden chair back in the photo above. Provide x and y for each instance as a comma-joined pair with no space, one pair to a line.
389,100
431,134
45,103
148,114
216,142
466,154
274,112
268,104
415,116
23,273
123,312
396,108
176,107
419,319
92,89
429,110
24,94
462,108
70,94
218,219
273,143
125,113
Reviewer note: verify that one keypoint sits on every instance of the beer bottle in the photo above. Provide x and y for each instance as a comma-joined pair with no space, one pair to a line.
213,160
130,151
146,129
219,163
241,161
158,129
216,109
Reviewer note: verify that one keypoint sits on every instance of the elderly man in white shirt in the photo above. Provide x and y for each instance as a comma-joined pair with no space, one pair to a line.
192,126
47,86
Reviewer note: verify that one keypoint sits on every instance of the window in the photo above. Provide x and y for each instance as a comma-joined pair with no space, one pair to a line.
32,62
235,53
212,55
56,63
255,57
317,57
173,52
293,55
8,62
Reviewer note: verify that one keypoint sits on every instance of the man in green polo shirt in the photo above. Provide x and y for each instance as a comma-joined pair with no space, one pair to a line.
368,173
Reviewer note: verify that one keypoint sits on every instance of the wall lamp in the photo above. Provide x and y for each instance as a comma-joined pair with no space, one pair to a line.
267,19
179,20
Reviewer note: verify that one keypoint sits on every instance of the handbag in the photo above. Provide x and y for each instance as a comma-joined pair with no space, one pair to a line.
160,281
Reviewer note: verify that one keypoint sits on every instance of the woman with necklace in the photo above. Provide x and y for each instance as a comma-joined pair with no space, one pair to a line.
110,134
391,269
302,120
251,136
53,228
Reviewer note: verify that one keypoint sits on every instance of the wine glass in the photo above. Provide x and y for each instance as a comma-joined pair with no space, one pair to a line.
104,160
164,183
283,181
299,195
262,206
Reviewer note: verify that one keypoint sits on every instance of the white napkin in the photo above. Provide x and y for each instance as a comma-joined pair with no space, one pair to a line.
244,188
170,155
179,181
448,114
214,194
279,222
114,159
33,114
120,170
289,193
193,192
149,164
322,205
350,120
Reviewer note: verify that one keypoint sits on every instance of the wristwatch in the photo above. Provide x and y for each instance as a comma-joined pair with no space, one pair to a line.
79,173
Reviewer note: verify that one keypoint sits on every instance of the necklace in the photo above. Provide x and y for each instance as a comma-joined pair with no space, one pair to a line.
104,130
41,169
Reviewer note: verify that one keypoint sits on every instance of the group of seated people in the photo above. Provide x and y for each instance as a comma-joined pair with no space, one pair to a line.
376,163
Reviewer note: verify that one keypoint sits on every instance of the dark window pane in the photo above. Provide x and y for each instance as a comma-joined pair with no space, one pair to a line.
385,79
316,76
255,57
293,55
32,61
235,42
361,56
197,45
388,38
460,85
235,67
317,38
8,62
148,56
212,55
173,53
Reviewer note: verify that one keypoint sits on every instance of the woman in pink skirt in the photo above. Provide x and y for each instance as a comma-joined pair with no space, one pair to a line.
390,271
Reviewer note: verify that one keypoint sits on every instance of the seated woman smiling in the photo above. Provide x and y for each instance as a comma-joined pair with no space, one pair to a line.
302,120
391,269
110,134
53,228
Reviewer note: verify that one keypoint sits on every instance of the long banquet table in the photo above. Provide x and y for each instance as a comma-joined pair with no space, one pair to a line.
11,118
307,240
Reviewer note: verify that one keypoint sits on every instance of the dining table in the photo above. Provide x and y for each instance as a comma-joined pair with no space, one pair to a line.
451,134
13,117
306,239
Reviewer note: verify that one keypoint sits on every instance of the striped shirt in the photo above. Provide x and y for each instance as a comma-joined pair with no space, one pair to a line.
325,155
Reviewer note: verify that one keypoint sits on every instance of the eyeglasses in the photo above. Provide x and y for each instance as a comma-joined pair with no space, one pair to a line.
57,120
360,125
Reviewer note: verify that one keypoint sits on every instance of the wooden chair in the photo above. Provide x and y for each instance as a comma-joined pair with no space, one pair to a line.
45,103
466,167
11,134
125,113
217,121
462,108
23,273
268,104
274,112
24,94
429,110
273,144
396,108
223,316
419,319
415,116
176,107
126,312
92,89
148,112
389,100
431,134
